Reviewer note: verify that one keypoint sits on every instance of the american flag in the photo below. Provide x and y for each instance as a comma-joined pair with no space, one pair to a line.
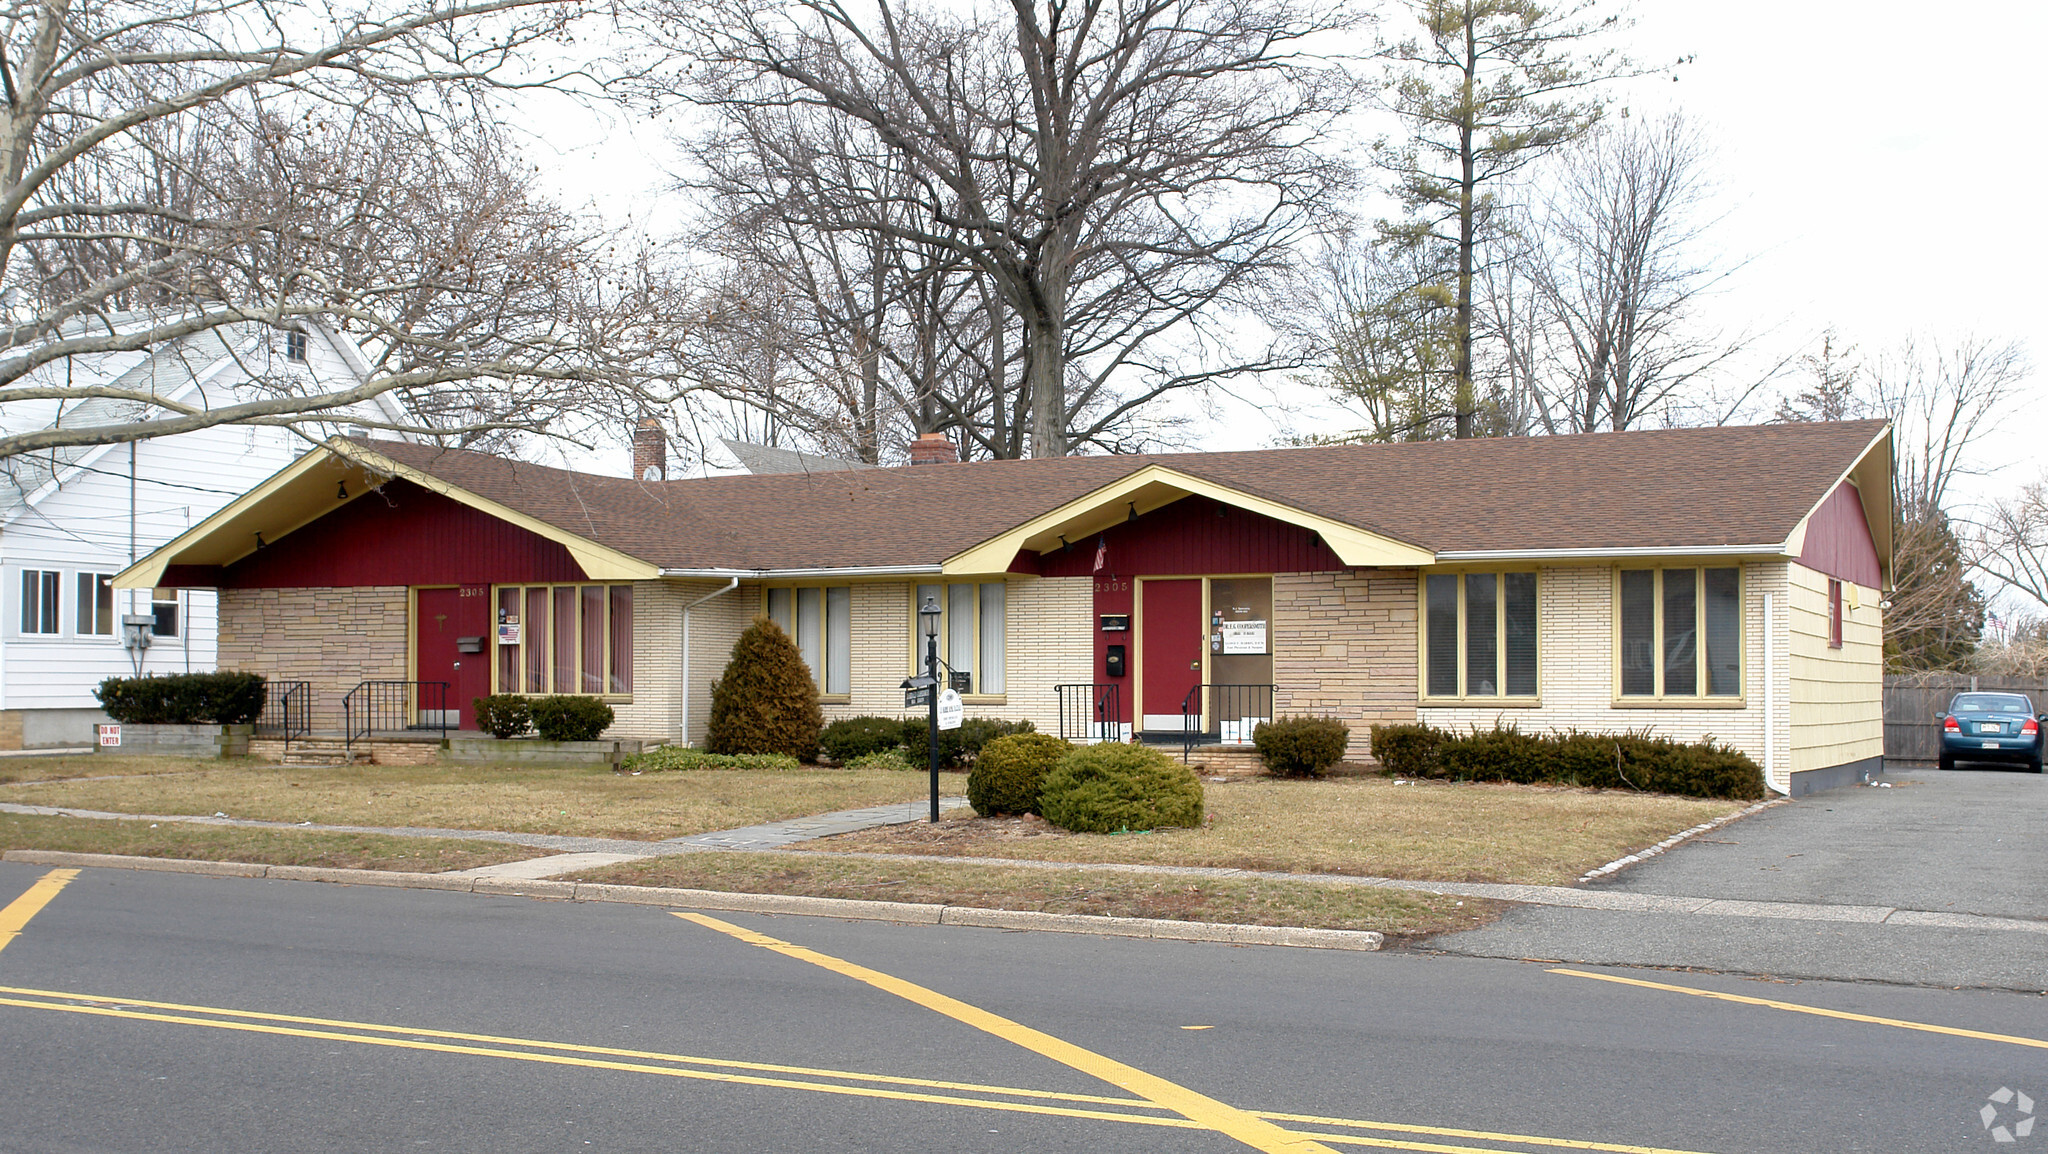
1101,552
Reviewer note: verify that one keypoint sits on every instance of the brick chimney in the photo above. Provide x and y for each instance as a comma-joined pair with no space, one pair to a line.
650,451
933,449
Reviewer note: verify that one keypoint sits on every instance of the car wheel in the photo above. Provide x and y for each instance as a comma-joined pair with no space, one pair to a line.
2035,765
1948,762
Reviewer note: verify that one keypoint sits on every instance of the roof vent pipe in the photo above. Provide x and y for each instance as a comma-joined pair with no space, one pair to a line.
933,449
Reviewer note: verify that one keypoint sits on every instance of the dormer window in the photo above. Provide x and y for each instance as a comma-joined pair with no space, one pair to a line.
295,345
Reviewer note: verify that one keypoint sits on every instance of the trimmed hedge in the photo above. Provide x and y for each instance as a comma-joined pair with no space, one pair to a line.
676,758
765,701
959,746
503,715
225,698
1301,746
894,759
1112,787
571,717
1593,760
1008,774
852,737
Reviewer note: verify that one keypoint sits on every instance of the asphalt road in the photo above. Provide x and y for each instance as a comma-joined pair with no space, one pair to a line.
1965,842
160,1012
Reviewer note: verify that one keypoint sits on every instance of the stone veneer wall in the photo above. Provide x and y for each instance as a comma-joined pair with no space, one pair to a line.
332,638
1344,646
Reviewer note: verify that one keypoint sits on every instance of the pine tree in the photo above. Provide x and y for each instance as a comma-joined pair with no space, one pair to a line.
765,701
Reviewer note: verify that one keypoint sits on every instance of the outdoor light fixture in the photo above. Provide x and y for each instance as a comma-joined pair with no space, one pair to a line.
929,614
341,490
1134,512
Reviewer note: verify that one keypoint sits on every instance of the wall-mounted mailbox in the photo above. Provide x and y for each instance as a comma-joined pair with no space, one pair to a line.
1113,662
469,645
1116,623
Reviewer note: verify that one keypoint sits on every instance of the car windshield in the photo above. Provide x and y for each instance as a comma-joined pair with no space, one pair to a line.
1990,703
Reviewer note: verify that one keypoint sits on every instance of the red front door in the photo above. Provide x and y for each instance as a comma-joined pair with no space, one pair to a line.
453,644
1171,617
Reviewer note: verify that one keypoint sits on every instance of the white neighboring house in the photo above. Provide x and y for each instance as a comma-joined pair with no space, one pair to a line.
72,518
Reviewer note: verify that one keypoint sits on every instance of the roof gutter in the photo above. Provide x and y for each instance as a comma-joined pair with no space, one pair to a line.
795,574
1453,556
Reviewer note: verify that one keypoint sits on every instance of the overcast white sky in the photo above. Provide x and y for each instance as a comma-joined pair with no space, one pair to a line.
1875,161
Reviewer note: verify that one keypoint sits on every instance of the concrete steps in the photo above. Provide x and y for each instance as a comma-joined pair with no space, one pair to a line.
324,751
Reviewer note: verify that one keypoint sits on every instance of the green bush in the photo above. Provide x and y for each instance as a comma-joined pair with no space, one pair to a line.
1593,760
957,747
1301,746
894,759
765,701
1407,750
852,737
1009,771
571,717
503,715
1111,787
224,698
677,758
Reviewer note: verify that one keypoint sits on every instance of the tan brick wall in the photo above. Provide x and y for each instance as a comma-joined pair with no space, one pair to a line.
10,729
1575,669
332,638
1344,647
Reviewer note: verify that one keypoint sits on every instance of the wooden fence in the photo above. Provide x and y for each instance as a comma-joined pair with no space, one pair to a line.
1913,700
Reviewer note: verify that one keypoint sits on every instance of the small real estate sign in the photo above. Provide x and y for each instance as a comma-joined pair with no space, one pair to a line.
950,710
109,736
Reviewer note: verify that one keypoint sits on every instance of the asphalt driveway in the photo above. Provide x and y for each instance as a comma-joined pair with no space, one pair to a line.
1971,841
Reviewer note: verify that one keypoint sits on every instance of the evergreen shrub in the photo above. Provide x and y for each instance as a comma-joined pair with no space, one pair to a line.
852,737
224,698
571,717
1009,771
503,715
959,746
1113,787
894,759
677,758
1594,760
765,701
1301,746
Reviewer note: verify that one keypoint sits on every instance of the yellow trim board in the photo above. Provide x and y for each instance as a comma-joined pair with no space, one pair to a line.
1156,486
298,494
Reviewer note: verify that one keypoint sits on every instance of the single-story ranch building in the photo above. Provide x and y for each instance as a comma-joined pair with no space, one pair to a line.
1695,583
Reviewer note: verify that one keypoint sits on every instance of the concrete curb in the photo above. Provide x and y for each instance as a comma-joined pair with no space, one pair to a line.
907,912
1676,839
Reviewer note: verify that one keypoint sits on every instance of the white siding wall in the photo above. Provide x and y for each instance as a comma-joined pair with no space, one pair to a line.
1575,670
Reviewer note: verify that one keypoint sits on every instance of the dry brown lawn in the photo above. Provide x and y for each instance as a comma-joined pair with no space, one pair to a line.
55,768
588,801
1242,901
360,851
1366,826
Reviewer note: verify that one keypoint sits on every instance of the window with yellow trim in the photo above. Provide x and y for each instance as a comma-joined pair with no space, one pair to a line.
1680,631
973,631
820,621
1479,635
565,639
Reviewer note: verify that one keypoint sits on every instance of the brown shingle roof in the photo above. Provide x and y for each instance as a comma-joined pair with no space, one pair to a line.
1668,489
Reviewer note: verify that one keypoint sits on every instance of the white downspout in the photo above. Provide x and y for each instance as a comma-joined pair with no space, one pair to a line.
684,732
1771,701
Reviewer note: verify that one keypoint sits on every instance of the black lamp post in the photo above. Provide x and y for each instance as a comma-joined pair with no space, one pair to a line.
928,619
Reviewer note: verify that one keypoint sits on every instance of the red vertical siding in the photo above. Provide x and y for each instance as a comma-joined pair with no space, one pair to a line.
1113,596
1838,541
1195,536
402,535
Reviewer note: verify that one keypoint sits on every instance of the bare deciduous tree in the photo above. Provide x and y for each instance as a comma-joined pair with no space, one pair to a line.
168,168
1121,176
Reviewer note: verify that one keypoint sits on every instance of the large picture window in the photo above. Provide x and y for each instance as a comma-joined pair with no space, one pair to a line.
973,632
39,600
1680,632
820,621
565,639
1479,635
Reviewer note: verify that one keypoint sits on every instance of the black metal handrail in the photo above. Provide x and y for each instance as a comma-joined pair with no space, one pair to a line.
287,710
1090,709
1242,702
374,706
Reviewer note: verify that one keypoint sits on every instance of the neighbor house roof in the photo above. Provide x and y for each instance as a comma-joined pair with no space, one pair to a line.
1664,492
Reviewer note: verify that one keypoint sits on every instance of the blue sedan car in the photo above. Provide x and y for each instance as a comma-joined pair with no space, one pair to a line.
1991,727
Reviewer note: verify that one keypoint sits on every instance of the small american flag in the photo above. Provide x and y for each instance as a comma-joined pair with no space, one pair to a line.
1101,553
